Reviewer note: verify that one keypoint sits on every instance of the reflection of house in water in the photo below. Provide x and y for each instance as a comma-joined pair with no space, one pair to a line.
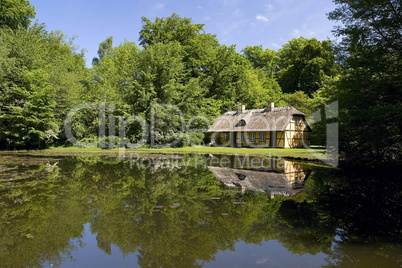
283,178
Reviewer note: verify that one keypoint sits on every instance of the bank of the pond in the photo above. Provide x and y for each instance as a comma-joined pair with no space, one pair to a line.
293,153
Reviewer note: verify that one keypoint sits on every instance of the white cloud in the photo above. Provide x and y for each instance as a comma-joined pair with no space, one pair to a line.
275,45
200,7
264,260
296,32
310,33
261,18
160,5
269,7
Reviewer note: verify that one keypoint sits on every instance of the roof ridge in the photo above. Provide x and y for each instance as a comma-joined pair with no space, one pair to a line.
265,109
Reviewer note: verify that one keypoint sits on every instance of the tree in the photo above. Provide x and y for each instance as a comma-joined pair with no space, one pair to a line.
304,64
370,92
40,78
266,59
27,97
300,101
171,29
196,44
105,48
231,78
256,89
16,13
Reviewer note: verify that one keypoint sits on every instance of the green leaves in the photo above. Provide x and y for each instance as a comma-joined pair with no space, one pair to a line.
169,29
266,59
16,13
40,78
370,91
303,64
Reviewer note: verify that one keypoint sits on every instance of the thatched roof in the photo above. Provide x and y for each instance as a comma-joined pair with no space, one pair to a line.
257,181
255,120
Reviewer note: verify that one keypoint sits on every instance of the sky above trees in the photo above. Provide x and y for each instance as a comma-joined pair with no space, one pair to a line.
270,23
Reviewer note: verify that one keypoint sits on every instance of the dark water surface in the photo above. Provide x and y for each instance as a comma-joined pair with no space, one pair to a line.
194,212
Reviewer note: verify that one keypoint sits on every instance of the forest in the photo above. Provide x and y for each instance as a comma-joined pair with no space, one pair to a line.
175,63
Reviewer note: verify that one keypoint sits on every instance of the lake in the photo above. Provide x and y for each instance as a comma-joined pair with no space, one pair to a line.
195,211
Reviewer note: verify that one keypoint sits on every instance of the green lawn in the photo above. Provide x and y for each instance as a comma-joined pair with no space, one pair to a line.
296,152
290,153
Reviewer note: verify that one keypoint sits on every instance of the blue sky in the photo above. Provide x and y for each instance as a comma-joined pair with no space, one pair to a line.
270,23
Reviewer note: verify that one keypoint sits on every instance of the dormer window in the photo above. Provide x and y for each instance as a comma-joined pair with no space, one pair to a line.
241,123
241,176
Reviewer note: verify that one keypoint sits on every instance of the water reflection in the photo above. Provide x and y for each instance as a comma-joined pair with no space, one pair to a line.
183,216
267,175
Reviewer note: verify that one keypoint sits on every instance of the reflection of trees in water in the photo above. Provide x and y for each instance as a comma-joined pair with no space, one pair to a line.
119,202
302,230
363,206
352,254
40,221
366,210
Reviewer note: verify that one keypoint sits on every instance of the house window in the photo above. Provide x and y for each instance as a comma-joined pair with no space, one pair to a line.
262,136
297,120
252,136
225,136
242,136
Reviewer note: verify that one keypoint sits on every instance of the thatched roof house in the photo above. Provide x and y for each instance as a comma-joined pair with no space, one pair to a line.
282,127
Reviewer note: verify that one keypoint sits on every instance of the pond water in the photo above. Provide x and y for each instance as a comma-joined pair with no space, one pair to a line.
195,211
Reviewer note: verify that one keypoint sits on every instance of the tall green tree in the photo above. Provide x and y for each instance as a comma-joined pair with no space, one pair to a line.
169,29
266,59
370,93
300,101
39,81
105,48
231,78
16,13
27,115
304,64
196,43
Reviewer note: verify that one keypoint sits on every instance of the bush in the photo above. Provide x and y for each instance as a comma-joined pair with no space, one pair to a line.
183,142
106,140
196,138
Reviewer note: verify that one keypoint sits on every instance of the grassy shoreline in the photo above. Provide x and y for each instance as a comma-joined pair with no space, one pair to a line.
293,153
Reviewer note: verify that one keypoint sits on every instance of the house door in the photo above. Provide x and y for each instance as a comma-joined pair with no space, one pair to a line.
233,139
273,139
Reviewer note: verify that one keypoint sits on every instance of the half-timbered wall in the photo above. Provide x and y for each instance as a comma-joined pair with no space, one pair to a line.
258,141
295,135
